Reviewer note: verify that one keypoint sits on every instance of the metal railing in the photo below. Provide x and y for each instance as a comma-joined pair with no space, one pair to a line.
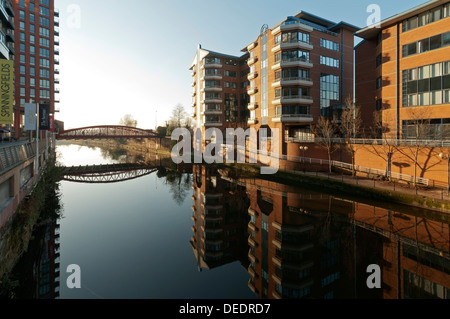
364,141
296,78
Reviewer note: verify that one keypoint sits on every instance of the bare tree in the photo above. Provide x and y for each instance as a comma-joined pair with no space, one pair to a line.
419,129
178,116
128,120
350,126
326,132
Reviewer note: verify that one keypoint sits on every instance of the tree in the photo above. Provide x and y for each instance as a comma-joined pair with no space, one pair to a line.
382,130
178,116
326,131
162,131
128,120
350,126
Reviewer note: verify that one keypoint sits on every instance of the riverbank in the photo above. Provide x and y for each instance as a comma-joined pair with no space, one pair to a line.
17,233
362,188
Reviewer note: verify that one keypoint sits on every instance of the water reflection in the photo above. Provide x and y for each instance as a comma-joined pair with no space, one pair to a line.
303,244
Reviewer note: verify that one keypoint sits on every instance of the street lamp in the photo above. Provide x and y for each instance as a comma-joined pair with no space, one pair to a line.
443,156
303,149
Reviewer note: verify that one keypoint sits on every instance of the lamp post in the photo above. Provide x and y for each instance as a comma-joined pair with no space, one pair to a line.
443,156
303,149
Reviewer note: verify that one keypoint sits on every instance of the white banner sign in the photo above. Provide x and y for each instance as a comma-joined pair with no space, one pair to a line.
30,117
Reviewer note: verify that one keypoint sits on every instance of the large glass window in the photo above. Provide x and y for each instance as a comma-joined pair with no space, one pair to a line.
425,18
425,45
426,85
329,92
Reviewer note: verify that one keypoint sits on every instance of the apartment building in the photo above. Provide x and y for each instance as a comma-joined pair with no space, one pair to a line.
220,221
6,30
37,56
300,69
219,90
403,70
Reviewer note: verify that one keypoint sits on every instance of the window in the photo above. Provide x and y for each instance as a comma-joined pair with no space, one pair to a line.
329,45
379,60
32,28
379,83
22,14
32,71
44,32
32,39
32,82
45,2
22,58
428,44
426,85
44,21
22,26
22,47
32,18
22,91
44,11
229,73
329,61
44,42
425,18
23,80
32,60
22,69
44,73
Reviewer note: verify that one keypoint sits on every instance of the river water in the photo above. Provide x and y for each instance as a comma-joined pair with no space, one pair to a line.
205,233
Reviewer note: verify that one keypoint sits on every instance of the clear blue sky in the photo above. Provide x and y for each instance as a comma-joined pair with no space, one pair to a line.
133,56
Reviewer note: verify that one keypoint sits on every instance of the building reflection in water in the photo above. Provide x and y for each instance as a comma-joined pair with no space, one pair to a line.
304,244
39,269
220,220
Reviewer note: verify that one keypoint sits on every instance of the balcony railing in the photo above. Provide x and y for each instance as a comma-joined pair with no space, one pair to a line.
56,12
292,81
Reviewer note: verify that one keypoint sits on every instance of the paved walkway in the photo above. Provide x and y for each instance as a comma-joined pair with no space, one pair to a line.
399,187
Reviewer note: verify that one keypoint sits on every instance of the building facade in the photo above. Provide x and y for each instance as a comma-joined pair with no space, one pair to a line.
403,70
37,56
219,91
296,71
6,30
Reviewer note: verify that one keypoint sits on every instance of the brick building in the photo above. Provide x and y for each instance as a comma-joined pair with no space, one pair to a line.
403,70
37,56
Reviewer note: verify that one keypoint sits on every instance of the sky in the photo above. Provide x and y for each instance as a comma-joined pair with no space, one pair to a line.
133,57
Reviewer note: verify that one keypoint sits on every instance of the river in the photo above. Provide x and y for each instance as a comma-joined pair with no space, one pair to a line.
203,233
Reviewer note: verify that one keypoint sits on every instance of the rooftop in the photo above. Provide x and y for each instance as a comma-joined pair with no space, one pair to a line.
372,31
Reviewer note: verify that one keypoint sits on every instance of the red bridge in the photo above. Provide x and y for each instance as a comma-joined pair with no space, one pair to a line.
106,132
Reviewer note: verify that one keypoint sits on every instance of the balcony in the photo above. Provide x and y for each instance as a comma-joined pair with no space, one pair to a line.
4,50
56,51
252,121
212,100
10,35
56,12
292,27
293,99
194,82
56,71
57,80
252,46
56,41
252,106
213,123
252,61
11,23
212,89
212,112
212,77
252,91
57,90
252,76
211,65
288,63
56,22
292,81
10,46
8,7
291,118
3,10
56,31
292,45
194,104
